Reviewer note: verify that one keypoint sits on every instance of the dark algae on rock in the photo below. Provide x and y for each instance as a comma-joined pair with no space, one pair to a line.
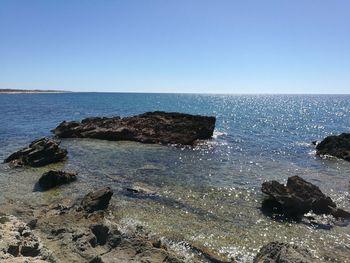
39,153
150,127
337,146
299,197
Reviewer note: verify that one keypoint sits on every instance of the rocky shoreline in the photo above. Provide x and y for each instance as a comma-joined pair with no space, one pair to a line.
76,231
84,230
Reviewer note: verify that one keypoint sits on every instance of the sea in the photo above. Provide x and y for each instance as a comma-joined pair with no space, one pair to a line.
208,195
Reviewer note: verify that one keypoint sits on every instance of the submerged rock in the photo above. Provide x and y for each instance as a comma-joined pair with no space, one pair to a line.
52,179
299,197
97,200
140,189
337,146
150,127
278,252
39,153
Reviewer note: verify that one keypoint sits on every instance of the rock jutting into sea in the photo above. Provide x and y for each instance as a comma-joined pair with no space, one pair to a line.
52,179
337,146
39,153
299,197
150,127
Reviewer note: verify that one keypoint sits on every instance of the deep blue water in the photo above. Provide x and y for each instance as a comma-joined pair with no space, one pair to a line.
257,138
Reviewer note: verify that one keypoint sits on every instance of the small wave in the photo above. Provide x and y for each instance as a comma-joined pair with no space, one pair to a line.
313,152
218,134
304,144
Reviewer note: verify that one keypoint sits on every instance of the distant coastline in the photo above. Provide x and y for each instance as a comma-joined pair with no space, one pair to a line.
16,91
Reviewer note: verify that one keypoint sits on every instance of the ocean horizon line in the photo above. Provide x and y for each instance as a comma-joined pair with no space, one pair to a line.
46,91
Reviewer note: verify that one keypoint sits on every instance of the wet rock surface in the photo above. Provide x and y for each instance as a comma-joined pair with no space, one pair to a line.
299,197
39,153
337,146
150,127
52,179
97,200
278,252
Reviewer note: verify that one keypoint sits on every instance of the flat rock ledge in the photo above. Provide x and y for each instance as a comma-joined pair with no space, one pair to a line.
337,146
39,153
18,243
52,179
278,252
150,127
299,197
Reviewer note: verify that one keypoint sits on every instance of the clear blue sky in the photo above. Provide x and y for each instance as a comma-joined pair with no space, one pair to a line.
214,46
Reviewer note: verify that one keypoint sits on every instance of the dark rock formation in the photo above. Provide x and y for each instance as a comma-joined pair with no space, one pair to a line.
100,232
300,197
52,179
39,153
338,146
277,252
150,127
97,200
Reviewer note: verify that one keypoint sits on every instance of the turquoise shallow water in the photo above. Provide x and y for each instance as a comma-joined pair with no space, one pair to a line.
207,195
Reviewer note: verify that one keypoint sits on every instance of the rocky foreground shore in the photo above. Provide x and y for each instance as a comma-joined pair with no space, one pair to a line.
84,230
77,231
150,127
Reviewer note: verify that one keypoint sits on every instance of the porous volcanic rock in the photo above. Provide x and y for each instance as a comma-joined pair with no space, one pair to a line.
97,200
299,197
338,146
18,243
52,179
278,252
150,127
39,153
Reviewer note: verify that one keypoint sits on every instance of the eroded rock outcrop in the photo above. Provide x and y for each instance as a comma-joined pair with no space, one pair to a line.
150,127
278,252
97,200
299,197
18,243
338,146
75,235
39,153
52,179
